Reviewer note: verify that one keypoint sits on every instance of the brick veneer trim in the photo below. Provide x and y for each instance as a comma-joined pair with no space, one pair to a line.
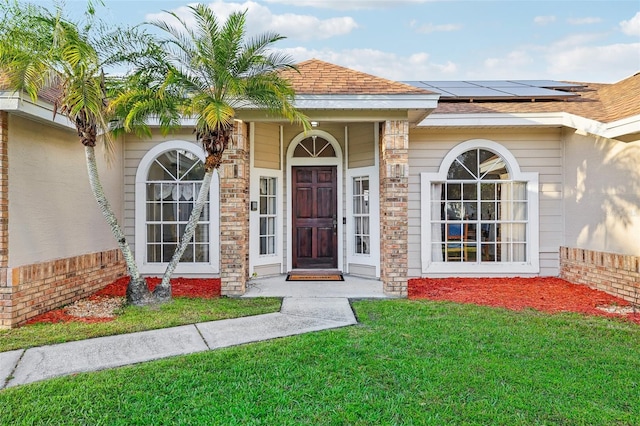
394,195
613,273
41,287
234,214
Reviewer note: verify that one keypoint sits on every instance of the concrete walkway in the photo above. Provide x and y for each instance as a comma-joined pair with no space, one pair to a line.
306,307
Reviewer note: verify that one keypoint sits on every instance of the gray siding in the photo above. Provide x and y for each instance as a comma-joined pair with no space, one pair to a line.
536,150
266,148
135,149
361,145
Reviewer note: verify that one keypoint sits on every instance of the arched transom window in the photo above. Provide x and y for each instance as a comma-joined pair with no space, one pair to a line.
172,187
314,147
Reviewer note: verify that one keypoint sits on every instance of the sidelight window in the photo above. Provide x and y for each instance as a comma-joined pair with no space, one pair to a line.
361,215
268,215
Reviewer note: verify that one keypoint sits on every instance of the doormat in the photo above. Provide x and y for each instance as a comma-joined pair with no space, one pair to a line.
320,277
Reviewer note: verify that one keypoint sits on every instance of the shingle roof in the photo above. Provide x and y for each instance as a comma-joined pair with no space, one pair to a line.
49,94
601,102
316,77
622,99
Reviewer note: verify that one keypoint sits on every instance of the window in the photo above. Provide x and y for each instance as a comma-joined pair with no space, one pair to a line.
268,215
314,147
172,187
482,213
362,235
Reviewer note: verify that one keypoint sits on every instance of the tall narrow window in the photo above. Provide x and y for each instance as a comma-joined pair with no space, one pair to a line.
268,215
362,234
172,188
479,214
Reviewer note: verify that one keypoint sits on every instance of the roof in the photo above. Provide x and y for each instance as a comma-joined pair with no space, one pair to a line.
316,77
596,101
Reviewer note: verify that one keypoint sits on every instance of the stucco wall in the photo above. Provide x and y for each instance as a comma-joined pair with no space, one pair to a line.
602,194
52,211
536,150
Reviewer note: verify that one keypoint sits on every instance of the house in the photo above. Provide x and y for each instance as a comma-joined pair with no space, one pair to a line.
395,180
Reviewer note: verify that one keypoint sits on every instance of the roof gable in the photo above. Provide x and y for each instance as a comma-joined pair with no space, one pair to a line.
622,99
316,77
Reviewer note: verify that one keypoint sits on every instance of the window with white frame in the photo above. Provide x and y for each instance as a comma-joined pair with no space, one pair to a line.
172,187
479,214
268,215
361,215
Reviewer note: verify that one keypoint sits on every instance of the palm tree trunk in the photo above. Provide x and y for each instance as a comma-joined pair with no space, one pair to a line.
137,291
163,291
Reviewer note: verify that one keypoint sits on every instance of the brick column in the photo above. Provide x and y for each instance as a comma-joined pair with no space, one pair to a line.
394,189
6,307
234,213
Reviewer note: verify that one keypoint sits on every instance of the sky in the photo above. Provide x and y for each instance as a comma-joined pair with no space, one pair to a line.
584,41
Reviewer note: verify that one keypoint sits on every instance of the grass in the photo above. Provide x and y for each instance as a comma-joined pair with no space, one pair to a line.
407,362
179,311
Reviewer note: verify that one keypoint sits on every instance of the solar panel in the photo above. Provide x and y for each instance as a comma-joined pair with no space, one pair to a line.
477,92
498,89
498,83
551,84
445,84
537,92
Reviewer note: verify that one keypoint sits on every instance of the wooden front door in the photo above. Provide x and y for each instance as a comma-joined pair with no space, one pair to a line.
315,226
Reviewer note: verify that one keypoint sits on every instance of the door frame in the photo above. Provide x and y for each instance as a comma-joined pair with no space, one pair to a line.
323,161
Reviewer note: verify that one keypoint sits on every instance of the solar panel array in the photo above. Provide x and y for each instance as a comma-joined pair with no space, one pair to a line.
500,89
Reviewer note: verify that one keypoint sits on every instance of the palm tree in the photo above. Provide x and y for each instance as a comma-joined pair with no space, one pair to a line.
40,49
205,71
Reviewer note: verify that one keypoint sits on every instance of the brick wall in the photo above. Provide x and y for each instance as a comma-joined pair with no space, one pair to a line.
394,194
41,287
234,214
616,274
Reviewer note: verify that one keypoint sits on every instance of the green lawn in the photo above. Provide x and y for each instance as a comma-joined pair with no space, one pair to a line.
179,311
408,362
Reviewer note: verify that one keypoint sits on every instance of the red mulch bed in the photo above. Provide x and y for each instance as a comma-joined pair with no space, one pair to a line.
544,294
204,288
180,287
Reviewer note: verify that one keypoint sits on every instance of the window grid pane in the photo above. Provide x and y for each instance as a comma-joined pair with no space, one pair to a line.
362,233
268,215
173,184
481,215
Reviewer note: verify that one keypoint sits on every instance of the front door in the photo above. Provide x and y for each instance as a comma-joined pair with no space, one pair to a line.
315,226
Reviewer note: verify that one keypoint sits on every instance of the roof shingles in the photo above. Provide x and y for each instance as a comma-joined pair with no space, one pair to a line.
601,102
315,77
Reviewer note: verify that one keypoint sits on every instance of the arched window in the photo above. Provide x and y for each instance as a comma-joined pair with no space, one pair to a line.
314,147
173,183
167,185
482,212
